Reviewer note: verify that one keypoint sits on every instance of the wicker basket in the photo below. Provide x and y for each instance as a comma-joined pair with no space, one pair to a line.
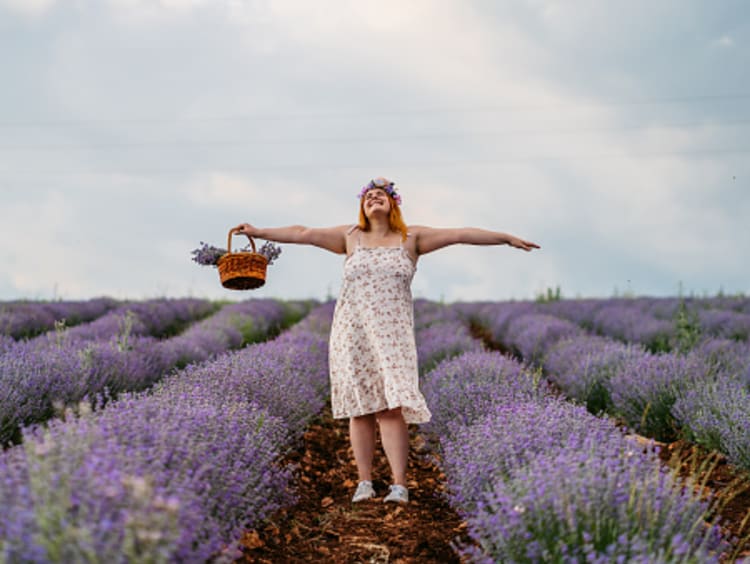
242,270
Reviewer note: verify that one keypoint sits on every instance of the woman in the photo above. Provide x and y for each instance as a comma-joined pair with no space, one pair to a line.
373,360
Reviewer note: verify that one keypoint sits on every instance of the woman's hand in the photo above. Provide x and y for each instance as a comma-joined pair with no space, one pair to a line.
246,229
522,244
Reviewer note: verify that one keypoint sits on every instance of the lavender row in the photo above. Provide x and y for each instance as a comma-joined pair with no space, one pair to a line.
158,318
172,476
703,395
658,324
24,319
440,334
542,480
40,376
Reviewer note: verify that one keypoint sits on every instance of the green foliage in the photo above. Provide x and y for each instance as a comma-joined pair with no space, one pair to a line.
598,399
549,296
126,329
687,329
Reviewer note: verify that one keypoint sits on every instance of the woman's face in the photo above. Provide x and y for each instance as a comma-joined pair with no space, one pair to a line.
376,201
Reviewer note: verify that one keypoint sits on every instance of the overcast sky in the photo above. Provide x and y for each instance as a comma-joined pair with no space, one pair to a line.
615,134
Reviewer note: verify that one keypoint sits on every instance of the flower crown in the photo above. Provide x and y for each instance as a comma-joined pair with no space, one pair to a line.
384,184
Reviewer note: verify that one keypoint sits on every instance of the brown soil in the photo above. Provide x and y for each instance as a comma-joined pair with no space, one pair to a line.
726,486
325,526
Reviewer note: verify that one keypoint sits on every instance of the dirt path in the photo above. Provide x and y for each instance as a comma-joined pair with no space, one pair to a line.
325,527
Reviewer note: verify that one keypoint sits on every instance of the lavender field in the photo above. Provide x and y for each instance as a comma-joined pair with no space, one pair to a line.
156,431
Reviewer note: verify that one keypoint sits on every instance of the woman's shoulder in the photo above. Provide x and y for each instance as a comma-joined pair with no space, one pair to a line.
417,229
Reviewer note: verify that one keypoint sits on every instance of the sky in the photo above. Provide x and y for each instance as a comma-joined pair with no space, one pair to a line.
613,134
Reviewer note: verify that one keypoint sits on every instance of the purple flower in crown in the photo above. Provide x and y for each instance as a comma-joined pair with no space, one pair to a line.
383,184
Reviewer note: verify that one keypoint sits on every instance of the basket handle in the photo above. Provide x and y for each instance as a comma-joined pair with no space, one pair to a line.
229,239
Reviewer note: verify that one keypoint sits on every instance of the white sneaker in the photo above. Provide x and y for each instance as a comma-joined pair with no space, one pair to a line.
364,491
399,494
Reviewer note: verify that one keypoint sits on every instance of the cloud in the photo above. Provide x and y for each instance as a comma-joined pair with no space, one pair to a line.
42,253
724,41
164,123
29,8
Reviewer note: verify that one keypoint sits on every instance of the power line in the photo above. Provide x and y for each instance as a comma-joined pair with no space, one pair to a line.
378,113
510,160
182,143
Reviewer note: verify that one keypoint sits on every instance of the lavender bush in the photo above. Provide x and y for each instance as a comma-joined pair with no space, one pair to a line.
508,435
6,343
541,480
531,335
427,312
156,318
629,324
725,356
599,503
265,374
583,366
716,415
497,316
25,319
233,326
442,340
147,479
646,388
462,389
39,374
726,324
581,312
174,476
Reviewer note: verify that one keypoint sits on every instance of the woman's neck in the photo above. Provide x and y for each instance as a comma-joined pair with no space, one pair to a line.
380,226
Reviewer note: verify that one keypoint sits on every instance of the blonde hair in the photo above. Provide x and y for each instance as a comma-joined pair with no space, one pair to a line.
395,220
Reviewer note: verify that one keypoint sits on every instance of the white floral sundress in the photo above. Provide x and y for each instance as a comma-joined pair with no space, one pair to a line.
372,352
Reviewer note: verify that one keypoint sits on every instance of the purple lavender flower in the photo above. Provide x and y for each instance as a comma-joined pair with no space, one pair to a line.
443,340
715,413
171,476
209,255
645,389
598,503
497,317
24,319
629,324
581,312
462,389
508,435
727,324
583,366
534,333
270,250
114,354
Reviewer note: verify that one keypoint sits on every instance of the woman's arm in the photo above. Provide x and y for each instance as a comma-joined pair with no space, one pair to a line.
330,238
430,239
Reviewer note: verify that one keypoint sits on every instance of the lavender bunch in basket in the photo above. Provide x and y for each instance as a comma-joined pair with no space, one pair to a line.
208,255
269,250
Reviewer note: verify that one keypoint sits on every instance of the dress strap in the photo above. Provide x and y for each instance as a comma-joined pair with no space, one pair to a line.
359,235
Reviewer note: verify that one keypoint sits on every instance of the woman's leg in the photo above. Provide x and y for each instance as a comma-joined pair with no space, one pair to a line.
394,435
362,437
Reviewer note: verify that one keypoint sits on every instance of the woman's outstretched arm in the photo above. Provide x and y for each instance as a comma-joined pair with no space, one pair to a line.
330,238
430,239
